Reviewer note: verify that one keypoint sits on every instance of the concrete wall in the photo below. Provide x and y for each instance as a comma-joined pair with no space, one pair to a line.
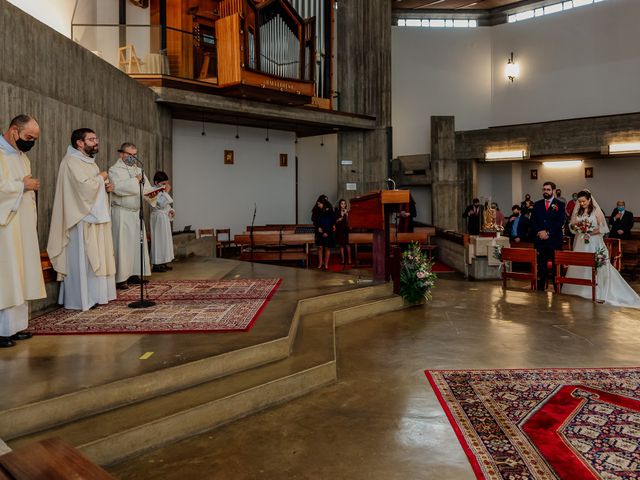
67,87
210,194
438,72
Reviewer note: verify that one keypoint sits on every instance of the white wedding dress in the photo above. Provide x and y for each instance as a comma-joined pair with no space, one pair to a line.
612,289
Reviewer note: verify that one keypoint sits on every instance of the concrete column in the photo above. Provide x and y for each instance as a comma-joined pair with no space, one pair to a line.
452,186
364,86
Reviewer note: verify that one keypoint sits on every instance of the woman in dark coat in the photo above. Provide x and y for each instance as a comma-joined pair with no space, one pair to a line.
323,220
342,230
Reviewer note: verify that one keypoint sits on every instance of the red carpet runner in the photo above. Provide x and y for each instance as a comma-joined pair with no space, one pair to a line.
568,424
183,306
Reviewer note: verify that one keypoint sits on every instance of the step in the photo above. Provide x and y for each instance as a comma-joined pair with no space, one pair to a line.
368,310
115,435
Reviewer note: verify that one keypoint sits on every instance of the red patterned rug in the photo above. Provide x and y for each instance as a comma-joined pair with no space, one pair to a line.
183,306
568,424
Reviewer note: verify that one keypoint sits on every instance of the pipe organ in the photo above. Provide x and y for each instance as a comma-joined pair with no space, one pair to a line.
272,49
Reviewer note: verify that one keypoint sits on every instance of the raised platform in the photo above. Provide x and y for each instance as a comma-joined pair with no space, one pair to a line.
100,394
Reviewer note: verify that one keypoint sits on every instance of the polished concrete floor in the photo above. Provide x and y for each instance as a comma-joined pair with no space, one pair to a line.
48,366
381,420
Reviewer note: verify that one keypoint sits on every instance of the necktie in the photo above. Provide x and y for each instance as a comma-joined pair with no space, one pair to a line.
547,204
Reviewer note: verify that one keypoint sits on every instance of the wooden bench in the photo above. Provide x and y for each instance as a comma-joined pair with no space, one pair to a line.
275,247
614,246
578,259
520,255
630,259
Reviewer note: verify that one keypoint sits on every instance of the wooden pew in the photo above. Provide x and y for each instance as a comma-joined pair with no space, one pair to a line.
579,259
520,255
275,247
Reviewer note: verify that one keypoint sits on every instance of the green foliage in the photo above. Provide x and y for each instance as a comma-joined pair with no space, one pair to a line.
416,277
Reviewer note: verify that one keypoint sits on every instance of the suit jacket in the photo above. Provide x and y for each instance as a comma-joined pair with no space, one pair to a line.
625,223
524,226
551,220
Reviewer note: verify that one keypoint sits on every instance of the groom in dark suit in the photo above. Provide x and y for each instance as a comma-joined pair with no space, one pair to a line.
548,219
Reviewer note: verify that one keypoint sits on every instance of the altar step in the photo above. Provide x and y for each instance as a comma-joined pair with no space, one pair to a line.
149,421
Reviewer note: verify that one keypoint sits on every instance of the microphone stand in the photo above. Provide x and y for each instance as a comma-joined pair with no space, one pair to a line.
255,209
142,303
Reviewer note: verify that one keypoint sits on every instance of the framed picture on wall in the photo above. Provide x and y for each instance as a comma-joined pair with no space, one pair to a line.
284,159
534,174
588,172
228,157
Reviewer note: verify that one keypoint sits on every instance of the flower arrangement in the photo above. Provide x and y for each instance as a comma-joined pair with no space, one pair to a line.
584,228
601,257
416,277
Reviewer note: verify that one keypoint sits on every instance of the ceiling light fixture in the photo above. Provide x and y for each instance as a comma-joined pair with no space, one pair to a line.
562,164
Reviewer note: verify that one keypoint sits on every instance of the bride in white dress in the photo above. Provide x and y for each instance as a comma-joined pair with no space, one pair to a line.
612,288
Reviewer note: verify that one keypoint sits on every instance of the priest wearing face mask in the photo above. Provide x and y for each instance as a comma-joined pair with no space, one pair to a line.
621,221
126,176
80,245
21,278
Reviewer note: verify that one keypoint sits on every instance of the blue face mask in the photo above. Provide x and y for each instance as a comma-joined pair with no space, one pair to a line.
621,209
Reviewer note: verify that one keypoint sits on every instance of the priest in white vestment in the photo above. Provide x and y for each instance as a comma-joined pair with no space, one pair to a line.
80,244
126,175
20,268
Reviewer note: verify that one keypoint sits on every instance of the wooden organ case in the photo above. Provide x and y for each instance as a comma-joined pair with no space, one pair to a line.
251,48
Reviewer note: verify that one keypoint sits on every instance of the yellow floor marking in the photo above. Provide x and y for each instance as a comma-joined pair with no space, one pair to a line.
146,355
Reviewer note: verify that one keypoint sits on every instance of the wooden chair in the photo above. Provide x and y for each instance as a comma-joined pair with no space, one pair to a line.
205,232
567,243
520,255
630,256
579,259
223,243
614,246
128,61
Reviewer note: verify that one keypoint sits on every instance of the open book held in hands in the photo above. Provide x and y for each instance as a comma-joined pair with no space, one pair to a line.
155,191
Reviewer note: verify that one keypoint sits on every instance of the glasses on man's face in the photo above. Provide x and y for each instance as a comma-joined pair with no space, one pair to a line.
91,139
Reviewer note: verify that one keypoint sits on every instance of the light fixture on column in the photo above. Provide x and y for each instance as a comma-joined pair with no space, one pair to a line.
322,141
237,130
267,139
513,69
505,155
203,130
621,148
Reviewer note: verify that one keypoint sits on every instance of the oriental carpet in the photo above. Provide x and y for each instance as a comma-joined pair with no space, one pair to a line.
183,306
568,424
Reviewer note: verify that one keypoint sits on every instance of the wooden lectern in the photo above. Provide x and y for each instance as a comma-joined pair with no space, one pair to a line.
373,211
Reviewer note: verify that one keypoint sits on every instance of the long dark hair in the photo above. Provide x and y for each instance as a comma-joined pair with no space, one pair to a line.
586,194
326,205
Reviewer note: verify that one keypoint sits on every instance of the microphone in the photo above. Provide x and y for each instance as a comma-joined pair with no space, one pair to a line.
392,181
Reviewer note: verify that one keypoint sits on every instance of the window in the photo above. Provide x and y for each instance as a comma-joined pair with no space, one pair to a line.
549,9
437,22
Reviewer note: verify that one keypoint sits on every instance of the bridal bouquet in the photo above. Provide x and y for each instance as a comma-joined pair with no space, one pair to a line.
416,277
585,228
601,257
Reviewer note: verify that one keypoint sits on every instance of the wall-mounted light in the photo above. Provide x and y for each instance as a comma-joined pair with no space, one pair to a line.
512,69
505,155
562,164
621,148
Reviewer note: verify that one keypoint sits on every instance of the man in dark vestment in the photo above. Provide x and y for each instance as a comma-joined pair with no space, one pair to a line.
473,214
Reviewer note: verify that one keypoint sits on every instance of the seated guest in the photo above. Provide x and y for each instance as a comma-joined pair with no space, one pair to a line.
473,214
621,222
560,197
518,226
523,204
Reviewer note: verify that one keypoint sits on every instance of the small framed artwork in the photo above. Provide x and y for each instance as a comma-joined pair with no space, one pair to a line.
284,159
588,172
534,174
228,157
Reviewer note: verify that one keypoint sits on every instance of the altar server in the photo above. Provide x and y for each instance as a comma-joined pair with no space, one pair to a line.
80,244
161,216
20,269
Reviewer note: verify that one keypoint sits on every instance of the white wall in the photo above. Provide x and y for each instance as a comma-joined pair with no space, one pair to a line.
54,13
580,63
317,172
210,194
438,72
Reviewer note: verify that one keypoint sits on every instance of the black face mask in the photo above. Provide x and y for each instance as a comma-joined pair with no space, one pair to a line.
25,145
